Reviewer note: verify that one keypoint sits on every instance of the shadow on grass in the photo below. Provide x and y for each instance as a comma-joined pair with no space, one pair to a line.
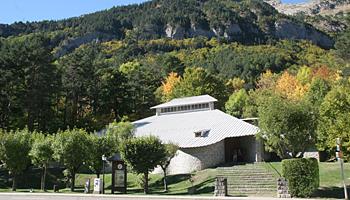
204,187
330,192
171,179
31,177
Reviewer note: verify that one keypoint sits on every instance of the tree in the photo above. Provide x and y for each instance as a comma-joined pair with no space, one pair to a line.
198,81
14,152
342,45
165,91
85,77
100,145
119,132
143,154
71,148
140,85
29,83
236,103
334,121
318,90
287,127
42,154
289,86
235,83
170,153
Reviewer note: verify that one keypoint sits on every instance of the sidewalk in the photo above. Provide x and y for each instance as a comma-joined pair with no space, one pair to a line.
57,196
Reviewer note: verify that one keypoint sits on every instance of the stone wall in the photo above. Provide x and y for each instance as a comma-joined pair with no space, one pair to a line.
189,160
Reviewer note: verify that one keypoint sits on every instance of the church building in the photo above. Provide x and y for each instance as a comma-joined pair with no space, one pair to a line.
207,137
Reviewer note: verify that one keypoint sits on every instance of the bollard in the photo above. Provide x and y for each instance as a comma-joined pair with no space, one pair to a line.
55,188
220,187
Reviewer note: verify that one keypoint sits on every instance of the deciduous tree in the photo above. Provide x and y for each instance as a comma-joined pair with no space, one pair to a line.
42,154
170,153
100,145
14,152
72,150
143,154
287,127
334,119
236,103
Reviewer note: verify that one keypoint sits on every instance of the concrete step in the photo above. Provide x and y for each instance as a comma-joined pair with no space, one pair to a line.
246,174
249,184
251,189
252,179
252,186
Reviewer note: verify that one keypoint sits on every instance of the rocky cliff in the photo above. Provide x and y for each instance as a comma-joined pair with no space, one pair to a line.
312,7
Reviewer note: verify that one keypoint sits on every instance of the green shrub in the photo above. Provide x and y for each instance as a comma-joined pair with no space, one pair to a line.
302,175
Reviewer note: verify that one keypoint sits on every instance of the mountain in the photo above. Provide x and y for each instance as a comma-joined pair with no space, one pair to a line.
244,21
312,7
330,16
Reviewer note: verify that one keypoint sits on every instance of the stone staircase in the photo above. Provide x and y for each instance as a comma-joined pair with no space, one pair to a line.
249,180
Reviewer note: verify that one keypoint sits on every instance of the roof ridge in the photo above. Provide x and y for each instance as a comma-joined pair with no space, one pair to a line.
187,101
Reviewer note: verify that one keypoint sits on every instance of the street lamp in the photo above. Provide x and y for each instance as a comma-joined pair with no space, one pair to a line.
104,158
339,155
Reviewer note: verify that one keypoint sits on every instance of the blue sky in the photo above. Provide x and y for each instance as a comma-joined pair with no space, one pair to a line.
36,10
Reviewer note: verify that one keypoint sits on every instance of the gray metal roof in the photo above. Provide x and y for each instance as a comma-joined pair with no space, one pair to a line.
180,128
187,101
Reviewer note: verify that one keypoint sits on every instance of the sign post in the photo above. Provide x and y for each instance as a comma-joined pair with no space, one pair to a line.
339,156
119,177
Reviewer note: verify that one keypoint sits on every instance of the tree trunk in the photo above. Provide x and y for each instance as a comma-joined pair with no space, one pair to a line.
43,179
72,184
98,175
145,187
14,182
164,180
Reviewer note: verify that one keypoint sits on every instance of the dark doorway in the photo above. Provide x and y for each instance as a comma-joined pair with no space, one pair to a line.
240,149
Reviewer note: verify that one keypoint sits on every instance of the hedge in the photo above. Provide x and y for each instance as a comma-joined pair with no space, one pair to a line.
302,175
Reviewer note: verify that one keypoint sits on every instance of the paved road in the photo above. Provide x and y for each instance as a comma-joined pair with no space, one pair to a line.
46,196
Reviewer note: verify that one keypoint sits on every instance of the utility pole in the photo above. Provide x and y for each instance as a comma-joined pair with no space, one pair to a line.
339,156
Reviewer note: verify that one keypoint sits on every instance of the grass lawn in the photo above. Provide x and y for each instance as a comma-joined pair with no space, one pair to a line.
331,184
330,175
177,184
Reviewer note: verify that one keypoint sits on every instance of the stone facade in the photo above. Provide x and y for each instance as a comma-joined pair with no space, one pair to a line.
189,160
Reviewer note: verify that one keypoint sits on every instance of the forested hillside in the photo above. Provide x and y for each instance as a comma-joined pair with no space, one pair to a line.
88,71
245,21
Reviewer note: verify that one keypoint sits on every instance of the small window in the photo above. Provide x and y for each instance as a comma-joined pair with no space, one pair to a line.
198,134
202,133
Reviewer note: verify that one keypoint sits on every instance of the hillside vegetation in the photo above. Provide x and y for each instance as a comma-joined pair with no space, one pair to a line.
245,21
88,71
